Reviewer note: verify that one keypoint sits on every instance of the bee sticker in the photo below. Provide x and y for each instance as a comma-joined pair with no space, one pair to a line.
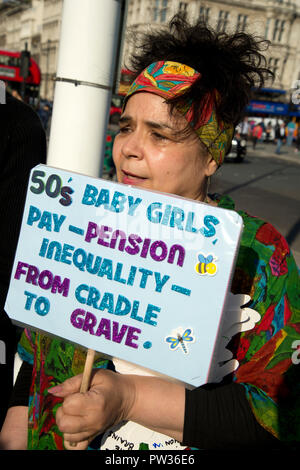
206,265
179,338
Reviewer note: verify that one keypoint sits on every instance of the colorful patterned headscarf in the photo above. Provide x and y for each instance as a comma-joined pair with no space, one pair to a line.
171,79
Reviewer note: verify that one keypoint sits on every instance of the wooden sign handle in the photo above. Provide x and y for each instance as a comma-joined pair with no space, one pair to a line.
88,366
86,377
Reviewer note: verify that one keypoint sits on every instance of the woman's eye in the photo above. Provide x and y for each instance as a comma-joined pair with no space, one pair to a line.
158,136
124,129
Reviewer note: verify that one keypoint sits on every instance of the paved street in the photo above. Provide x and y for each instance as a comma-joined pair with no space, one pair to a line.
266,185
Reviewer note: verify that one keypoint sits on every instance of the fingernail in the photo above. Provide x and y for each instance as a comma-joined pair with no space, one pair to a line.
56,389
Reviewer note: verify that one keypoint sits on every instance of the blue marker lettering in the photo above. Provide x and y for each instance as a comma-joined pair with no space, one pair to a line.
189,223
145,274
177,218
150,314
209,222
82,287
107,302
135,308
160,282
34,215
103,199
122,302
89,197
118,272
118,202
133,204
156,218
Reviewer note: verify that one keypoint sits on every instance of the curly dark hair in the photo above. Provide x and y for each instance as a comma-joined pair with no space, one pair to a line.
230,63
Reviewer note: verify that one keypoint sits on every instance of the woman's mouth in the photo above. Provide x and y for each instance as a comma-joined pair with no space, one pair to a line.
131,178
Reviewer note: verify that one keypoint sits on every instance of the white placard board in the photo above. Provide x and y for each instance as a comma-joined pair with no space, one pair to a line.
131,273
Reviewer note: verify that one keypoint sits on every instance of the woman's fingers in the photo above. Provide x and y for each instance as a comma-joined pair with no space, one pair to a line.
69,386
71,423
71,443
77,429
82,412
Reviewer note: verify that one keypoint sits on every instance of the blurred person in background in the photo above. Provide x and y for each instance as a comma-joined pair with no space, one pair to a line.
22,146
280,136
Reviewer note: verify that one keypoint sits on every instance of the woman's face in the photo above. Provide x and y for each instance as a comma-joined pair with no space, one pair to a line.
150,151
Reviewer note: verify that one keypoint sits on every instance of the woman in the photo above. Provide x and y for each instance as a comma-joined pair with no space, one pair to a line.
256,134
190,91
279,137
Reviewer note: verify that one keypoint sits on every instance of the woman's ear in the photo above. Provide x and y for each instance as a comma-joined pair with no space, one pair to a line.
211,166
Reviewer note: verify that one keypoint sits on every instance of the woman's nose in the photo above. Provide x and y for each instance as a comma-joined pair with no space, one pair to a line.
132,145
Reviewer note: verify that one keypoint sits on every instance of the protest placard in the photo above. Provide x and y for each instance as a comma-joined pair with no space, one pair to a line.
130,273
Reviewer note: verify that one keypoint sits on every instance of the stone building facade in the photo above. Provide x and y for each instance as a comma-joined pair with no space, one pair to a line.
275,20
35,23
38,23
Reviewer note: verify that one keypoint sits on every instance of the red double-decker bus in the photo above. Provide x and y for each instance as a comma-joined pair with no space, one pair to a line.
10,72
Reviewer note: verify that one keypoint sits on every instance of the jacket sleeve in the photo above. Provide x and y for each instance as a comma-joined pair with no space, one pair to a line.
218,416
20,394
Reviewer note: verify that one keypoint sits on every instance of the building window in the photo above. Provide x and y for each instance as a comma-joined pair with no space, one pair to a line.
156,10
278,30
2,40
241,23
273,64
222,20
204,14
160,10
163,13
267,28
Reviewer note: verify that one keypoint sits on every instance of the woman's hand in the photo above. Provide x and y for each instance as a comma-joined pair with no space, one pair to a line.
83,416
153,402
